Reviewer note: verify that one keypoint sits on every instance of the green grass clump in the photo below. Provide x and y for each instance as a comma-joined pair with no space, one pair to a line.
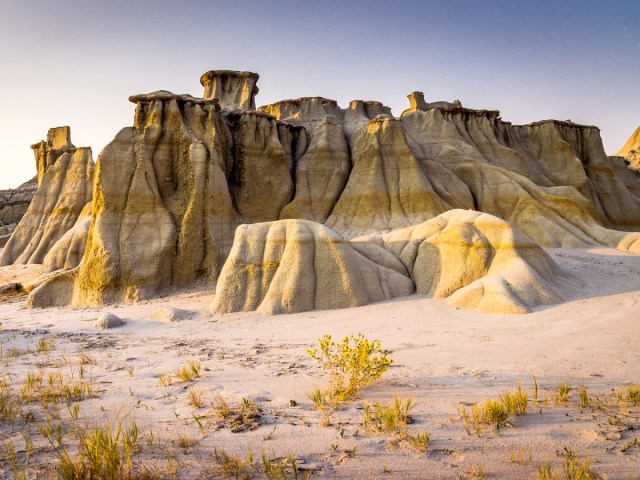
352,364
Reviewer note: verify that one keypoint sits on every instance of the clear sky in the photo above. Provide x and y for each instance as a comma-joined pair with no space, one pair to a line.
76,62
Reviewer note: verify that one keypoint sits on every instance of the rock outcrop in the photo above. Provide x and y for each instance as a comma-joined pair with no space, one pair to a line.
472,258
296,265
631,150
476,260
233,90
15,201
356,187
65,187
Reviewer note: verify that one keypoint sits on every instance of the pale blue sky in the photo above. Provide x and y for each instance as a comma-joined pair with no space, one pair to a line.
76,62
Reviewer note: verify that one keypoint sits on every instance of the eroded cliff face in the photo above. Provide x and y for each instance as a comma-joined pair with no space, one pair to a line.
345,185
15,201
65,187
630,151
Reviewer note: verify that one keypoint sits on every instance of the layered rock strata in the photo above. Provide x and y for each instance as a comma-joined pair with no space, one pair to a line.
65,187
350,185
473,259
15,202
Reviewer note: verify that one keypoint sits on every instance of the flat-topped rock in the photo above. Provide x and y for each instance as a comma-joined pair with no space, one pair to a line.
234,90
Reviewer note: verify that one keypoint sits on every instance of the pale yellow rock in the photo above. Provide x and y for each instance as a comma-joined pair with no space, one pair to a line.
234,90
68,251
502,181
478,261
293,266
387,188
65,188
631,150
162,216
171,190
321,173
46,153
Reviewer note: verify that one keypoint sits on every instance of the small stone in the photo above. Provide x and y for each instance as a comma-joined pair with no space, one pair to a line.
108,320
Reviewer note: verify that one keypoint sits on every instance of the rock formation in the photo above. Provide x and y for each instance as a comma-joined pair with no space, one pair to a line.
475,259
296,265
15,202
631,150
357,205
65,182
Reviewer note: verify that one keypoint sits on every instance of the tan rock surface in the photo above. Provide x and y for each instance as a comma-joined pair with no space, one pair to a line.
65,188
386,188
153,227
478,261
475,259
15,201
631,150
293,266
47,152
260,182
234,90
68,251
171,190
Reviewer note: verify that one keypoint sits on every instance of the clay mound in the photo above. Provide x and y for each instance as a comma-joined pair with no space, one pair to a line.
479,261
293,266
475,260
65,188
631,150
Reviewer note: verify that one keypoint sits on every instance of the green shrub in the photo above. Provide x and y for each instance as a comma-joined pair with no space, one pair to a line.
352,364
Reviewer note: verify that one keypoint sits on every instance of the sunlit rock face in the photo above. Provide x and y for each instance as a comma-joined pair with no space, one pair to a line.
335,198
630,151
65,186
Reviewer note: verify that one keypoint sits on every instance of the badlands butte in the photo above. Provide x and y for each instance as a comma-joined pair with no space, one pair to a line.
303,205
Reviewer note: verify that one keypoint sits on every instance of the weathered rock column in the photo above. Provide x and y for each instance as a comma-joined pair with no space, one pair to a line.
46,153
234,90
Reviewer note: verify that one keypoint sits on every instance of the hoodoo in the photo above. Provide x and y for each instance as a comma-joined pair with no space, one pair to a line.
302,204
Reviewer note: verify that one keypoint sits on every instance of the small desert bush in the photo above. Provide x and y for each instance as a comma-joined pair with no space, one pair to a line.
633,394
103,451
572,469
189,371
494,412
516,402
393,419
561,395
352,364
583,399
46,345
380,418
196,395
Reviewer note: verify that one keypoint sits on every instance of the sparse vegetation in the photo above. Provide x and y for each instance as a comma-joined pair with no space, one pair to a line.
583,399
633,395
494,412
196,395
516,402
572,469
352,364
379,418
561,395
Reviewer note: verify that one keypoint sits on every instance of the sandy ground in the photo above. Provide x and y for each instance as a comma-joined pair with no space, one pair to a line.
443,358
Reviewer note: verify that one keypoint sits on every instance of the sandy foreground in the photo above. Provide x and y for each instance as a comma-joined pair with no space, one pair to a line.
443,357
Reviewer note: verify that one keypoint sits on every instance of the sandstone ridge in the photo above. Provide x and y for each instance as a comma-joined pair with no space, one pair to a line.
350,185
